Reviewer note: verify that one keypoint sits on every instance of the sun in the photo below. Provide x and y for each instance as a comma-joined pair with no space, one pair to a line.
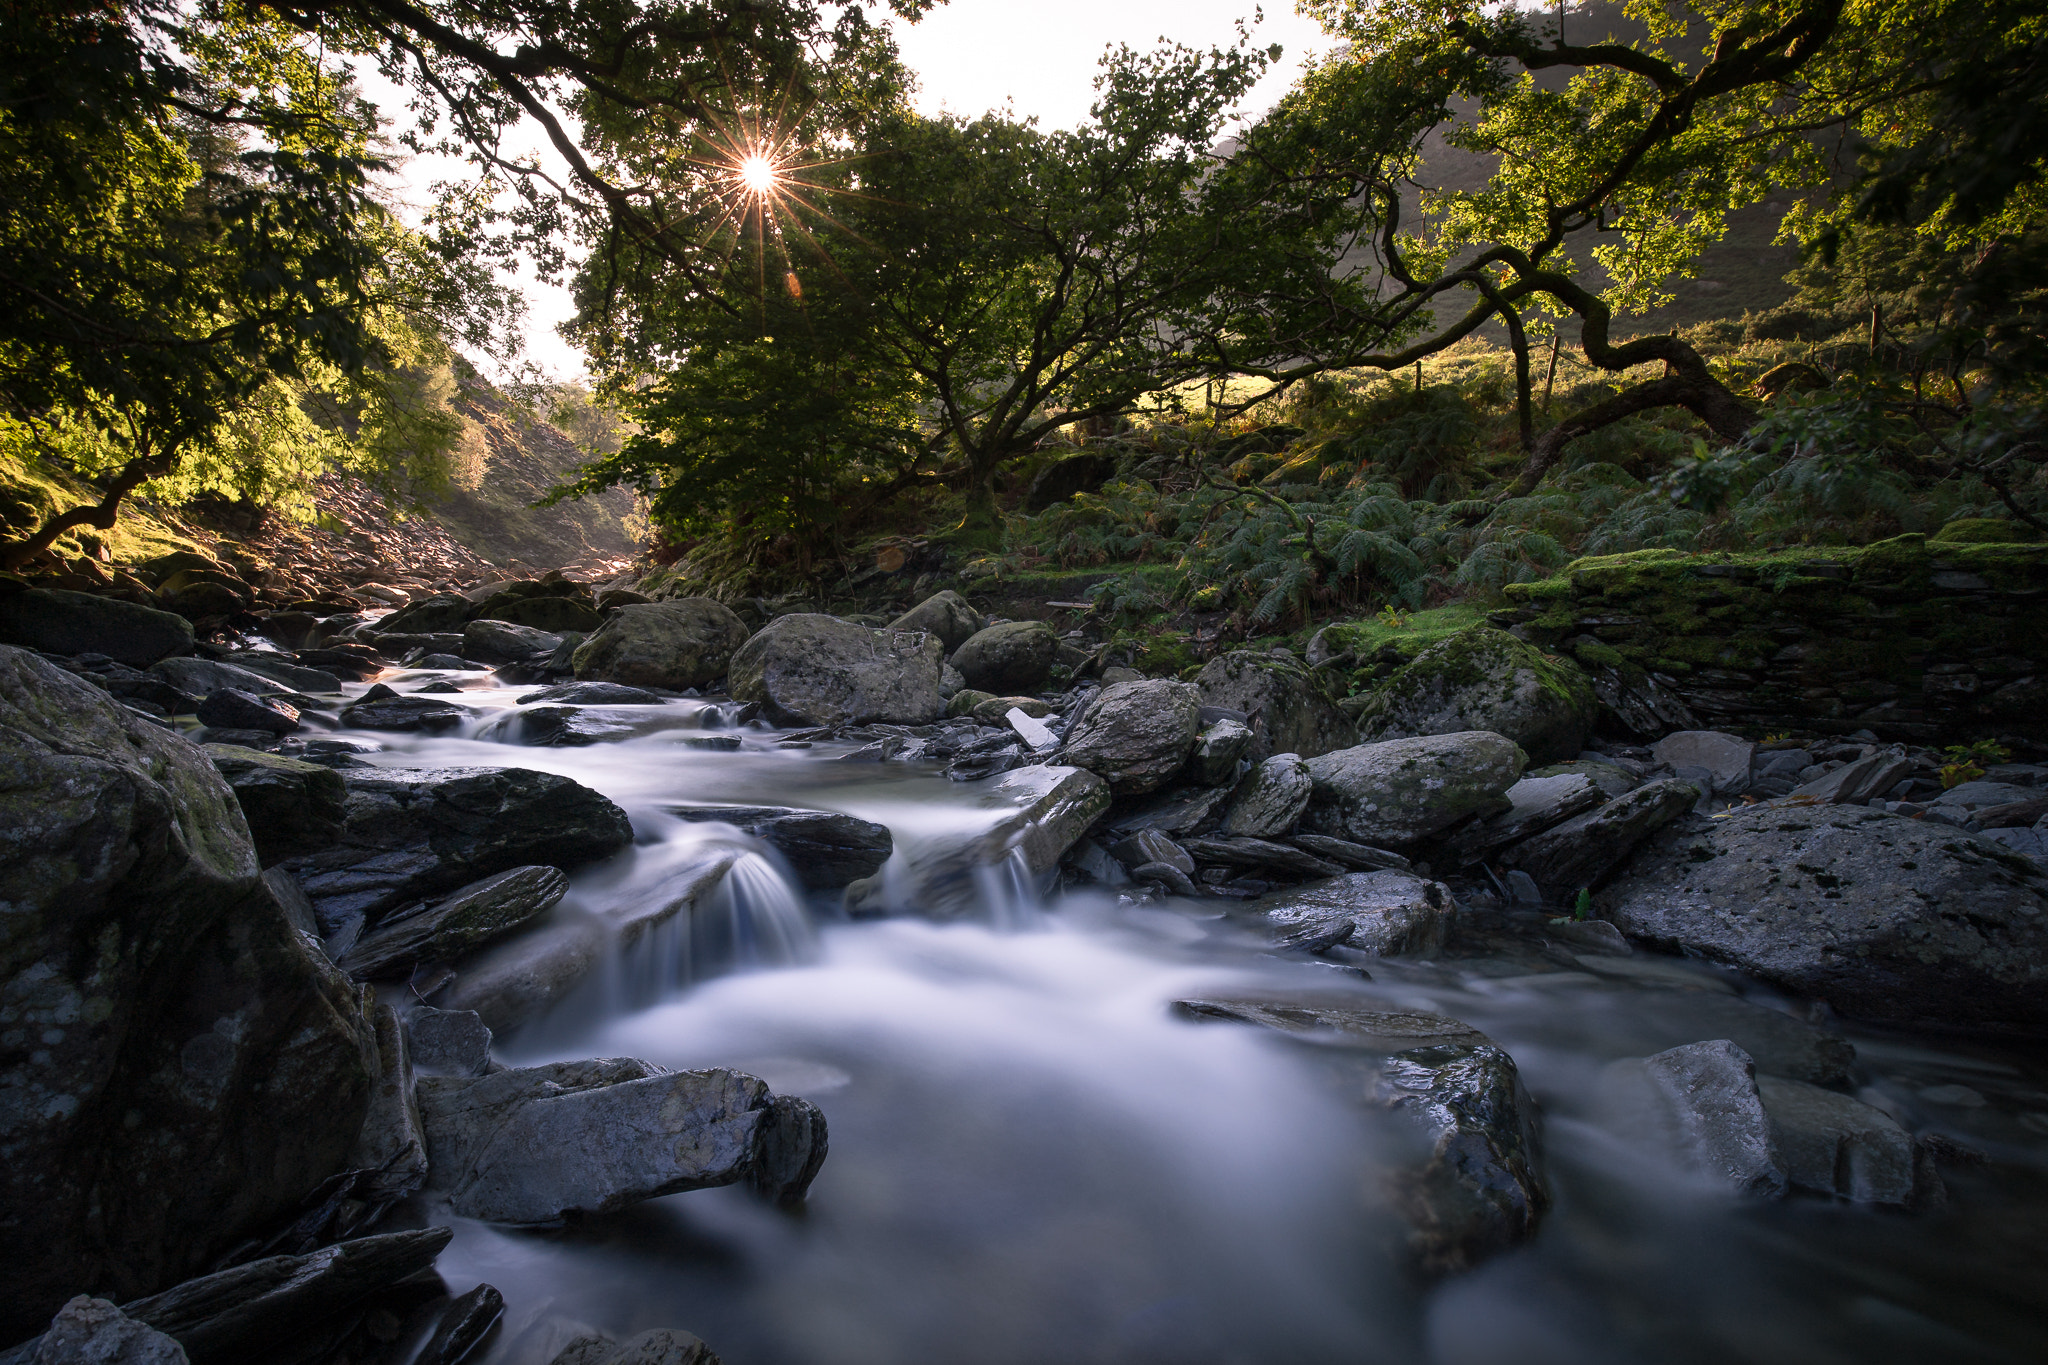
757,173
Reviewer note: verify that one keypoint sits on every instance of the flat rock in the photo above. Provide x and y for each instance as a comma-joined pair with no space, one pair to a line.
1535,804
1357,857
1288,709
1176,812
1584,849
1386,914
1135,735
1832,1144
57,621
1244,851
826,849
681,643
412,712
1483,679
1269,798
1402,791
455,925
594,694
807,669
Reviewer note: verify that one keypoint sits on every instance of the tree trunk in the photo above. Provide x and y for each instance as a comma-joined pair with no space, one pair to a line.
99,516
1689,386
982,527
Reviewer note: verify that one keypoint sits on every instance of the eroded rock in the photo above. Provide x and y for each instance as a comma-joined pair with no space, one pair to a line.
1135,735
1402,791
1288,709
1486,679
681,643
808,669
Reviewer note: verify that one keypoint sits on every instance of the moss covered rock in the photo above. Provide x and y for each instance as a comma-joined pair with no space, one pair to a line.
683,643
1486,679
1402,791
1288,707
808,669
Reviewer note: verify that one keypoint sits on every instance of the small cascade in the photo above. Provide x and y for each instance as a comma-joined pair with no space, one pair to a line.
1010,894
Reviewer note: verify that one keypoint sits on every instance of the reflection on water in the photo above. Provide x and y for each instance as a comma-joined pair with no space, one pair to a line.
1032,1160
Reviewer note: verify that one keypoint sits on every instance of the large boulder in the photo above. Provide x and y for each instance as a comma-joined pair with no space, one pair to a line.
536,1145
550,613
1882,917
179,1066
682,643
1289,709
807,669
1016,656
1486,679
412,834
1136,735
946,615
442,612
293,807
60,622
504,642
1402,791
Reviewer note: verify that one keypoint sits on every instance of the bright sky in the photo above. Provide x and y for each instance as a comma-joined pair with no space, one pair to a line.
974,55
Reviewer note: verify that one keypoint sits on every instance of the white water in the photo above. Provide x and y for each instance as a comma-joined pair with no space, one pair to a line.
1033,1160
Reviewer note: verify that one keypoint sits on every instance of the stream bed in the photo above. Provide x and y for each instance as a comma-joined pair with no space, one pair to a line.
1035,1159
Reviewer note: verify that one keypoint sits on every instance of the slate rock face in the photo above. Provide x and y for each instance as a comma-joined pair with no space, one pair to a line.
1486,679
456,924
1288,709
683,643
1880,916
1016,656
1582,850
946,615
1136,735
1402,791
181,1064
61,622
808,669
293,807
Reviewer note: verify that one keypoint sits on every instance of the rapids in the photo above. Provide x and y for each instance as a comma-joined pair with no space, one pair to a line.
1033,1160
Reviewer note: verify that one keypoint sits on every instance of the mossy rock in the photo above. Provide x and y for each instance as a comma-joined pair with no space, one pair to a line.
1987,531
1486,679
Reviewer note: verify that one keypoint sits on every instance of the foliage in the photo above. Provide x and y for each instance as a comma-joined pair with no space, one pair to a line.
1966,761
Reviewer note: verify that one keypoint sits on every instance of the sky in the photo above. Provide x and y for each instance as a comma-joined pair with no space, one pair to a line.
971,56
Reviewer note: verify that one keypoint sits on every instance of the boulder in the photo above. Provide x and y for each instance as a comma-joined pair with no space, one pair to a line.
966,700
826,850
504,642
89,1331
1724,758
807,669
1269,799
198,677
183,1066
1583,850
1385,914
1016,656
594,694
1150,846
944,614
1401,791
1135,735
1218,750
1832,1144
60,622
1882,917
683,643
1853,783
448,928
285,672
230,708
292,807
537,1144
1178,811
1060,480
444,611
1534,805
412,834
1699,1104
414,712
448,1042
1288,709
1486,679
558,727
551,614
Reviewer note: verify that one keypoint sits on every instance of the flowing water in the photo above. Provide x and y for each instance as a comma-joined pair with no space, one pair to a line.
1033,1160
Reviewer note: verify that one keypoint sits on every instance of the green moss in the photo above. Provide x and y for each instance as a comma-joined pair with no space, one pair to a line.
1417,631
1593,654
1987,531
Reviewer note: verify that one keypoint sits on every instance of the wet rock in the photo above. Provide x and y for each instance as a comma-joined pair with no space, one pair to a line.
391,1144
1016,656
1611,778
1832,1144
183,1065
504,642
1591,936
533,1145
230,708
662,1346
88,1331
1535,804
555,615
1700,1104
450,663
1882,917
416,833
1402,791
61,622
1269,798
448,1042
1288,709
683,643
594,694
446,929
946,615
1853,783
198,677
1386,914
1482,679
414,712
286,673
789,1150
1599,1021
1357,857
442,612
1150,846
560,727
807,669
462,1326
1219,749
1242,851
1176,812
1583,850
1135,735
507,984
1725,758
292,807
825,849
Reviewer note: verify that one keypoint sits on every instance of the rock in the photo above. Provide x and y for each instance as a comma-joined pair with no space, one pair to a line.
245,1312
1269,799
1016,656
1974,797
448,1042
1486,679
510,983
683,643
966,700
504,642
1358,857
996,710
449,663
1386,914
1033,732
1045,809
464,1323
1583,850
1150,846
1242,851
1832,1144
1725,758
662,1346
1402,791
292,807
1700,1103
1611,778
1218,750
286,673
61,622
1854,783
1135,735
536,1144
1534,805
449,928
559,727
230,708
807,669
88,1331
789,1150
1590,935
594,694
198,677
418,833
554,615
1176,812
390,1145
1883,917
183,1066
414,712
1288,709
430,615
1062,479
827,850
944,614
